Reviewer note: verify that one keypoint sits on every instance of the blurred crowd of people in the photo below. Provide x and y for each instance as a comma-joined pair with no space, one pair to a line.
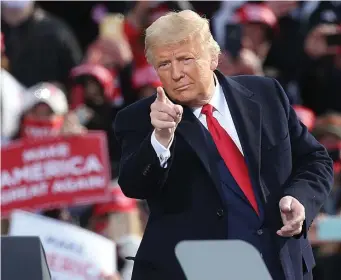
90,59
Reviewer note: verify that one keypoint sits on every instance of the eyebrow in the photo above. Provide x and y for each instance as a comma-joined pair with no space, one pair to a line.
163,61
184,56
180,56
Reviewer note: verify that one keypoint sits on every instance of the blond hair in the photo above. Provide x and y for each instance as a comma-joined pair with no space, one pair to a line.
178,27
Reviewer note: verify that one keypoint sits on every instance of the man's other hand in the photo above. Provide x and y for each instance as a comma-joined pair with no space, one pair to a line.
293,216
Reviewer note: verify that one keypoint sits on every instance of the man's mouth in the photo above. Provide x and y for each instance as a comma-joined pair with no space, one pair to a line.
183,87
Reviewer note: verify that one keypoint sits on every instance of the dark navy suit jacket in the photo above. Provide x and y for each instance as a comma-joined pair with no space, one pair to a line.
185,198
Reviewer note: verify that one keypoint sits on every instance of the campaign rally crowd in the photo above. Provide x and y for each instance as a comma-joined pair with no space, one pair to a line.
68,68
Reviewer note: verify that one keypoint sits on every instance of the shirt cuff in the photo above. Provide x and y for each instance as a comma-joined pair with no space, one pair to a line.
162,152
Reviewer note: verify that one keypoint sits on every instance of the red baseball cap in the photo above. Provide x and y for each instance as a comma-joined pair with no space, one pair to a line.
108,79
256,13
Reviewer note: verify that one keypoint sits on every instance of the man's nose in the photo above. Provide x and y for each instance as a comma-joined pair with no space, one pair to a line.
177,71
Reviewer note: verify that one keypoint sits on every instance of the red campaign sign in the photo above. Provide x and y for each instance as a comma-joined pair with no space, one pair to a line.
55,172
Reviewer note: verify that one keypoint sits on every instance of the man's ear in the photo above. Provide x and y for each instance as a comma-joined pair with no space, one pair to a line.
214,62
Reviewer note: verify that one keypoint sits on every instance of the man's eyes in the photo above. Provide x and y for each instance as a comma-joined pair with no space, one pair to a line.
184,59
188,59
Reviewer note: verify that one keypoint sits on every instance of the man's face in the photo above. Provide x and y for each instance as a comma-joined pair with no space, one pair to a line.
185,71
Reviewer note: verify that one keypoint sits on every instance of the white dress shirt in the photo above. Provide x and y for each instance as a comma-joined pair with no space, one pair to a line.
221,112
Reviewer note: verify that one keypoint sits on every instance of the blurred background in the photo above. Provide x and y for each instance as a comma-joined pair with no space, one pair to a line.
91,56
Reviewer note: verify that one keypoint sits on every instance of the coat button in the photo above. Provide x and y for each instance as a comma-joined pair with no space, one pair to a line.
260,232
146,170
220,213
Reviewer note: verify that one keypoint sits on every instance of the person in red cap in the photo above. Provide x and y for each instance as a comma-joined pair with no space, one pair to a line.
46,109
45,114
252,27
259,23
94,96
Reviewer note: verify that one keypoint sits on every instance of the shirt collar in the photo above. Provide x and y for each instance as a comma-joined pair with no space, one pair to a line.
217,100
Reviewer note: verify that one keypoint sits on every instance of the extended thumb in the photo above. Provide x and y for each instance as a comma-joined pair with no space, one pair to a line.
285,204
161,95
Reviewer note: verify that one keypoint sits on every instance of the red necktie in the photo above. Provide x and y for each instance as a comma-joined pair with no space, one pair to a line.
231,155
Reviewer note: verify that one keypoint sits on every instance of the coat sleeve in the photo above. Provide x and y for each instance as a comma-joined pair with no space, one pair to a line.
140,173
312,174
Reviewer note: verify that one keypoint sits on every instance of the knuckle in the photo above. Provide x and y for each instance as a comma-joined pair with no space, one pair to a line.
152,117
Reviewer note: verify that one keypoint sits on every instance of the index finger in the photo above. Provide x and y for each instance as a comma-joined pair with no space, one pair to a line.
296,220
161,95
